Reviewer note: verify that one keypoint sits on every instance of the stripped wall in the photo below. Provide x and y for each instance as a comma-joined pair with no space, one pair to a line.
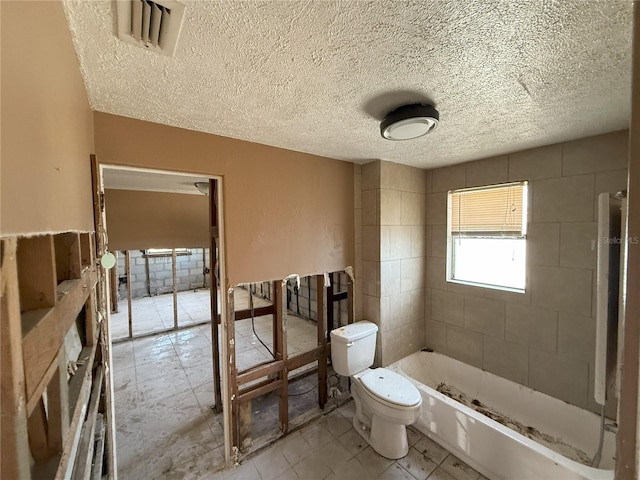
544,338
47,125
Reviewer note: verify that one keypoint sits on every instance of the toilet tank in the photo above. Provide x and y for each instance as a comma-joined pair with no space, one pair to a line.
353,347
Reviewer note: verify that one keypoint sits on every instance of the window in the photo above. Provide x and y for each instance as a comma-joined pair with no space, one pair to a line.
486,236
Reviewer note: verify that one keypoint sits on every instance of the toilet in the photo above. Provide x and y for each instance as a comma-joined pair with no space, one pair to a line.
385,401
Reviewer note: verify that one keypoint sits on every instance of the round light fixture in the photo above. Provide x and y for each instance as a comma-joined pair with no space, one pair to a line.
409,121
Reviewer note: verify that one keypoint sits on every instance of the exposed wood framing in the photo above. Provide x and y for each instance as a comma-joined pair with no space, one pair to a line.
37,425
275,374
79,392
230,362
174,288
280,350
84,457
68,256
58,405
44,330
14,447
102,306
114,289
36,272
213,293
127,266
322,340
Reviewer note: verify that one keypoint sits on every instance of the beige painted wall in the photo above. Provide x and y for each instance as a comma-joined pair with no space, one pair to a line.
139,220
544,338
285,212
47,126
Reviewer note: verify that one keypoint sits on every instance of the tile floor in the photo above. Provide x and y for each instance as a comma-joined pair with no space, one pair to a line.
153,314
166,430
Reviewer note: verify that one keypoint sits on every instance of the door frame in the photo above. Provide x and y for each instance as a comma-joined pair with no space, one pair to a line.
215,204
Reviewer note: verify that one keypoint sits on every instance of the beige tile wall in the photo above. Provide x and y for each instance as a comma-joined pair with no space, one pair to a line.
545,337
393,256
357,218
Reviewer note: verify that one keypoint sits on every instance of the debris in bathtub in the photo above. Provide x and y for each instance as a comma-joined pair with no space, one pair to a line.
528,431
428,350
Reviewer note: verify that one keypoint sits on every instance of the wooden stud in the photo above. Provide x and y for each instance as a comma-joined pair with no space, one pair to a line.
45,330
259,371
58,405
280,344
37,425
36,272
322,341
174,288
79,394
84,457
351,313
114,288
257,312
259,390
101,300
213,293
91,320
127,266
232,371
244,429
14,446
86,250
330,301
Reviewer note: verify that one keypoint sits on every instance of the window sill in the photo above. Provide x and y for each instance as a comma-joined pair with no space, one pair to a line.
487,285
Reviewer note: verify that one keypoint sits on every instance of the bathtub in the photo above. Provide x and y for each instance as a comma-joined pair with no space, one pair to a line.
564,435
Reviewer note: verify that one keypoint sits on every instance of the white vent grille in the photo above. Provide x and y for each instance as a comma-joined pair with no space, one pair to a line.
154,25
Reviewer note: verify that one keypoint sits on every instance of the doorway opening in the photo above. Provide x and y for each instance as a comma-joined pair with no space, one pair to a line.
164,316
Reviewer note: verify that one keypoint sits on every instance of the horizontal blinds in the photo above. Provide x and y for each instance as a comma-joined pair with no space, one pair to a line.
492,210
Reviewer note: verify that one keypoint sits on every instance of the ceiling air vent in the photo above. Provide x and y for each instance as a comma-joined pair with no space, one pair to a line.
152,25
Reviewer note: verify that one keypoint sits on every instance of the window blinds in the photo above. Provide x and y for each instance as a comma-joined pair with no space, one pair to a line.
495,210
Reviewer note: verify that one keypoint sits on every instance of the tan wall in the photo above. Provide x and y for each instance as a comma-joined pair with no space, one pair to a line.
285,212
139,220
47,131
544,338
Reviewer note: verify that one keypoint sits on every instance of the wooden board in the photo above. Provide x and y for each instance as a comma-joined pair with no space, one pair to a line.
45,329
322,341
14,447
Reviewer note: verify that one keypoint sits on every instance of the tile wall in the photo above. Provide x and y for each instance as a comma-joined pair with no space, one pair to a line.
393,209
544,338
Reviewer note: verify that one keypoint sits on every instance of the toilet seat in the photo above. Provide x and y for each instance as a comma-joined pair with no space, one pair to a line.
390,389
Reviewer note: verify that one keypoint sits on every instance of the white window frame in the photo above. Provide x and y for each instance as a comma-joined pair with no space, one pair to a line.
450,257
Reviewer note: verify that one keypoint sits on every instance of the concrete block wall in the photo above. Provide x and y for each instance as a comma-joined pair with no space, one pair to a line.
305,302
189,272
393,256
544,338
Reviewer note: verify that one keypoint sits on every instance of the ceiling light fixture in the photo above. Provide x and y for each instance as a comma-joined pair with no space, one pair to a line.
409,121
203,187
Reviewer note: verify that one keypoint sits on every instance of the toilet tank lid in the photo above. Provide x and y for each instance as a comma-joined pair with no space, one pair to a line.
353,331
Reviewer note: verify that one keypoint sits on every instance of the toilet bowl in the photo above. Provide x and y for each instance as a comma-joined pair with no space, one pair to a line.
385,401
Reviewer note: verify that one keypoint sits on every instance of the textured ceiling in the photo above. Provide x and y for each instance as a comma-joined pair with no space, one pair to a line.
150,181
318,76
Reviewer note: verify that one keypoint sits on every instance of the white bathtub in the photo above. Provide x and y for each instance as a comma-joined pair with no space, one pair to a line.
496,451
